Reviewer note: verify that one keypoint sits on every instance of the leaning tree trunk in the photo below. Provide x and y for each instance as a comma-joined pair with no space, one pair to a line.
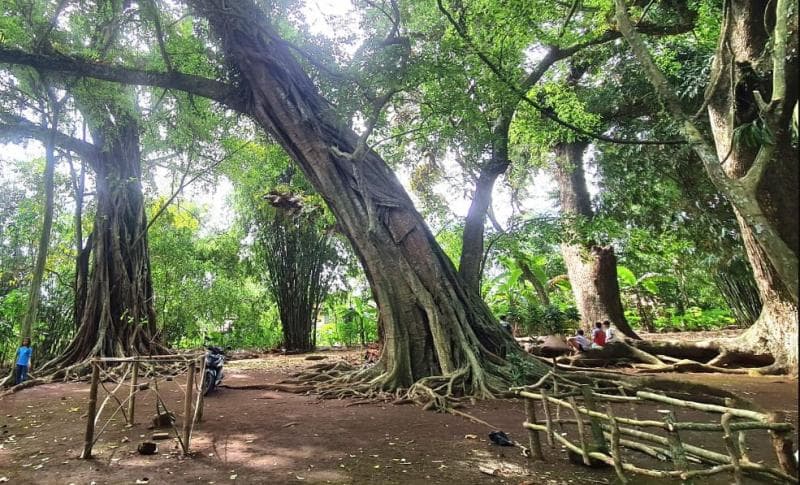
118,317
746,69
432,325
592,269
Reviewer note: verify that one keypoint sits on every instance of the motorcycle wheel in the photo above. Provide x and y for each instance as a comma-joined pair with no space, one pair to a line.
208,383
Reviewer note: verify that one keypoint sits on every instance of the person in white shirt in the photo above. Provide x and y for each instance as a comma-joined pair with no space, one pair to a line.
611,332
579,342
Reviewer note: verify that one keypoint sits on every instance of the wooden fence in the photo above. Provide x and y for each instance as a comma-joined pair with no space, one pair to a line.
126,376
601,434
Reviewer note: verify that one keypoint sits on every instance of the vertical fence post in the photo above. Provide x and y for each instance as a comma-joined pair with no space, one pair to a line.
615,452
732,446
597,428
533,435
581,433
547,419
88,439
187,408
132,394
198,413
782,444
676,446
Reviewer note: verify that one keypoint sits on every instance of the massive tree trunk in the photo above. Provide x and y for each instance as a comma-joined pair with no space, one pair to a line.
592,269
118,317
743,70
432,325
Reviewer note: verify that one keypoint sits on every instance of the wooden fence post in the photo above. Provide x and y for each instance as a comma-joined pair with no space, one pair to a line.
581,433
88,439
198,413
548,420
782,443
615,452
132,394
533,435
676,446
188,419
597,428
733,448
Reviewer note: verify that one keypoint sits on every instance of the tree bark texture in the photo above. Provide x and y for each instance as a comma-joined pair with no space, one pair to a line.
743,69
471,265
431,323
117,314
592,269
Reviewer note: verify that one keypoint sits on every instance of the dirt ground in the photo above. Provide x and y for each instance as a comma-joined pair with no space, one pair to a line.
257,436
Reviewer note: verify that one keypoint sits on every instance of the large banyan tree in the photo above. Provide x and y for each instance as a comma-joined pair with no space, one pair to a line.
436,330
113,291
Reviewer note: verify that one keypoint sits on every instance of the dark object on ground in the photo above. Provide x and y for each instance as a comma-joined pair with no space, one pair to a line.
500,438
159,436
147,448
163,420
316,357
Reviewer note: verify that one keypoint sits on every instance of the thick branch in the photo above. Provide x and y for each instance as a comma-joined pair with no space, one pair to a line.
222,93
12,126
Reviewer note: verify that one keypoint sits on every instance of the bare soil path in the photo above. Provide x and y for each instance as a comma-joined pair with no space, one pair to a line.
257,436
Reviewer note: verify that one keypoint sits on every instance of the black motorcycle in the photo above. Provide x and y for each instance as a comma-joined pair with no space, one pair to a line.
215,358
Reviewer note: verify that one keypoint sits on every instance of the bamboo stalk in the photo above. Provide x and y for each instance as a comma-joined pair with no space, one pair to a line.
597,430
533,436
782,444
88,439
615,453
749,467
200,404
676,446
548,420
188,420
732,448
688,426
714,408
581,432
132,392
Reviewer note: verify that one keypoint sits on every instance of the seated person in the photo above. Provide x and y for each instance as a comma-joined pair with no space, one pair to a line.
610,332
598,336
579,342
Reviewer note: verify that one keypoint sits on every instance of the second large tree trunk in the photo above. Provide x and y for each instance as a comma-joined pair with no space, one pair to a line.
431,324
744,70
592,269
118,317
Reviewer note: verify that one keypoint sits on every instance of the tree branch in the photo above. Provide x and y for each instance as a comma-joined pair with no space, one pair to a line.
222,93
545,111
12,126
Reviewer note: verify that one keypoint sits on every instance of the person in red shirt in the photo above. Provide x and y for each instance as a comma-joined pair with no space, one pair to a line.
598,336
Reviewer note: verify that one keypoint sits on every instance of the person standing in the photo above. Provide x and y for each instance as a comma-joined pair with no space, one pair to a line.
23,360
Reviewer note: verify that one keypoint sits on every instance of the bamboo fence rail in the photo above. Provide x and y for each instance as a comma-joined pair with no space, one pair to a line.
601,435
